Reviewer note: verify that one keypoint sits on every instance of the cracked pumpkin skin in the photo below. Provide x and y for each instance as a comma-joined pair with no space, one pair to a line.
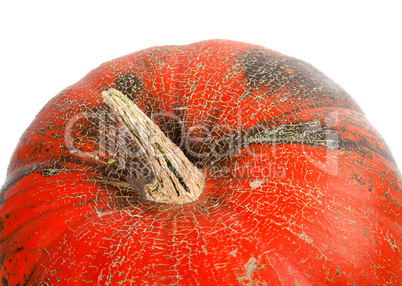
299,188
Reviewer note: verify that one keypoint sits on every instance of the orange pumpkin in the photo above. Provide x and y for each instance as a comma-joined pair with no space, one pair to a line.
295,186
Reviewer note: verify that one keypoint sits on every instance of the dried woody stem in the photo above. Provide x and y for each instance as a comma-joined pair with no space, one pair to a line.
177,180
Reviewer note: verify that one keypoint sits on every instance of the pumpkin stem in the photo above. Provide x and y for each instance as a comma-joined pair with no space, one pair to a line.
177,180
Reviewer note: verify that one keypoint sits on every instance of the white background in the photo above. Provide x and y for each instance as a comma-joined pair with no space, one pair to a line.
46,46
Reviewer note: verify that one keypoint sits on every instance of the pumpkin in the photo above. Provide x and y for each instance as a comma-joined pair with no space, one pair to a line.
214,163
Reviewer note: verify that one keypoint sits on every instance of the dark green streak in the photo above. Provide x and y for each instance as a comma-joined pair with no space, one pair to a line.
171,168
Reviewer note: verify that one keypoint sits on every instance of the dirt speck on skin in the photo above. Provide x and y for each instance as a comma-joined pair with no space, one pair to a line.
250,267
233,253
256,184
296,283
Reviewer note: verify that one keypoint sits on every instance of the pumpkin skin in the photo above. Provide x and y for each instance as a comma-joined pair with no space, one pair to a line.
300,188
